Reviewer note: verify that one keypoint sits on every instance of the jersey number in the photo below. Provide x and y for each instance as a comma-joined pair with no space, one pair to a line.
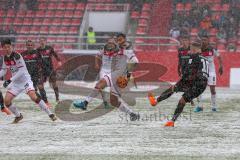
205,68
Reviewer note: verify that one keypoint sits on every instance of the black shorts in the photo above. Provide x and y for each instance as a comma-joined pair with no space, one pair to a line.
191,89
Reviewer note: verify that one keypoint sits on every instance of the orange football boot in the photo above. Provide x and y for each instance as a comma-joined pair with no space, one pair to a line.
6,110
169,124
152,99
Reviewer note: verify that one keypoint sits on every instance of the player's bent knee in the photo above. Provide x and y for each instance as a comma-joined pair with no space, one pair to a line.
182,101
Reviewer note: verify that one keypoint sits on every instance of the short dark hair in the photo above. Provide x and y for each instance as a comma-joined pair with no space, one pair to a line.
121,35
5,41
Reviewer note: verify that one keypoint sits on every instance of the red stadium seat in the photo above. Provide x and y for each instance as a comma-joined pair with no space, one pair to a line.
145,14
64,30
172,49
59,14
139,40
58,47
146,7
49,13
80,6
66,22
21,13
60,39
68,14
52,6
30,14
44,30
68,46
135,15
27,21
8,21
57,21
78,14
61,6
37,21
51,39
10,13
2,13
142,22
70,40
42,6
141,31
73,30
40,13
35,30
54,30
18,21
180,7
24,30
76,22
221,47
47,21
70,6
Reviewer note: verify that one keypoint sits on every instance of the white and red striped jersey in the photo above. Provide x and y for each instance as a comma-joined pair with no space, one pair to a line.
17,67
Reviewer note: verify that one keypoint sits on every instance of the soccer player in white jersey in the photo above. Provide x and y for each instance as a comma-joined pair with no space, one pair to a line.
116,60
209,52
19,82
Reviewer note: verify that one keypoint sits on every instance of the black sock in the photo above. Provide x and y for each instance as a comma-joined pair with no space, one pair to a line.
43,95
165,95
178,111
1,100
56,93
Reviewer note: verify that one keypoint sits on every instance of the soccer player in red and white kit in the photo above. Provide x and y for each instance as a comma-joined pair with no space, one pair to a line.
19,82
209,52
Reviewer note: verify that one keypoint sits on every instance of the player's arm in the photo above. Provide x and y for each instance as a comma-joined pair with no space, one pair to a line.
132,62
39,61
98,60
3,70
179,65
216,53
54,53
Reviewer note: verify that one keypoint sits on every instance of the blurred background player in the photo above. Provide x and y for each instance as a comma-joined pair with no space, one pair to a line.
33,61
47,52
193,81
115,60
19,82
209,52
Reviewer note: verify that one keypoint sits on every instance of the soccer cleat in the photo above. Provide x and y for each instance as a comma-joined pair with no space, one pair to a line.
152,99
53,117
6,110
214,109
169,124
80,104
198,109
17,119
134,116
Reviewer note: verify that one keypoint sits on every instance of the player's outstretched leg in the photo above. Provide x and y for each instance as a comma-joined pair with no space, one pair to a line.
53,83
123,107
43,94
166,94
83,104
199,106
8,103
3,108
213,98
177,113
41,104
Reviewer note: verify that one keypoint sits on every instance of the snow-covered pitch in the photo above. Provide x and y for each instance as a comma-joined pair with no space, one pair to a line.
195,136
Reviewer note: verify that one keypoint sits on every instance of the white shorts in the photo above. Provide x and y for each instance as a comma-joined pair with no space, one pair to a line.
212,79
17,88
111,79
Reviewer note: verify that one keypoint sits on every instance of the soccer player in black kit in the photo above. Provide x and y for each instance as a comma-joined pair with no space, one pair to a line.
33,60
193,81
47,52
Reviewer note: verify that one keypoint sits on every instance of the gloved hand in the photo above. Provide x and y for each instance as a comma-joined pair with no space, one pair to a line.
6,83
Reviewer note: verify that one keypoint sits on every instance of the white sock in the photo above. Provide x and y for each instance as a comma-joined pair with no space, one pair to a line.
199,101
92,95
14,110
124,108
44,107
213,100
